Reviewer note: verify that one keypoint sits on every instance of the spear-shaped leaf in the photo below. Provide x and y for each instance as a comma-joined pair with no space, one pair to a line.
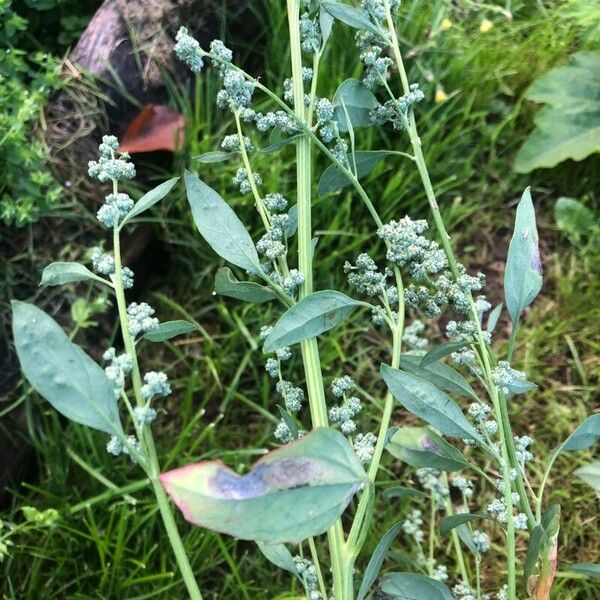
62,372
289,495
523,274
314,314
219,225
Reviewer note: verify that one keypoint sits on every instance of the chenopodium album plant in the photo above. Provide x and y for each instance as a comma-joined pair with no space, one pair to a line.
326,463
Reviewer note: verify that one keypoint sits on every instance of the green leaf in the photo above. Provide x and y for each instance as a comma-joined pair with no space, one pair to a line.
215,157
447,524
569,127
149,199
377,558
219,225
278,142
441,375
523,274
68,272
412,586
169,330
326,25
423,448
493,318
314,314
227,285
400,491
350,16
359,102
290,494
590,473
540,536
588,569
586,435
62,372
442,350
575,219
279,555
333,178
430,404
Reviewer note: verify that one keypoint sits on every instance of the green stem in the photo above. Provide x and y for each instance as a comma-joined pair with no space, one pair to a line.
462,567
309,348
315,560
147,441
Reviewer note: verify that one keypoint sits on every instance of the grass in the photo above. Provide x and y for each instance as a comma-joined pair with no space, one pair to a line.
107,546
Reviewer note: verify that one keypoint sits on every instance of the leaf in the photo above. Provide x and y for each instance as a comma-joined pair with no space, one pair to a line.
227,285
400,491
590,473
422,448
441,375
314,314
447,524
219,225
430,404
494,317
292,224
216,156
289,421
290,494
575,219
588,569
412,586
442,350
68,272
279,555
523,273
278,142
334,179
169,330
540,536
156,127
586,435
149,199
377,558
350,16
62,372
359,102
569,127
326,25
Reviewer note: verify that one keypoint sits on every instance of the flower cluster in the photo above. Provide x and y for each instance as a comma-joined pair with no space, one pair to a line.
308,574
272,244
141,319
104,264
344,414
481,541
431,480
292,396
108,167
479,413
407,247
375,9
364,446
144,415
231,143
188,50
310,34
413,525
118,369
411,336
462,591
131,447
365,277
242,181
114,210
156,384
507,378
